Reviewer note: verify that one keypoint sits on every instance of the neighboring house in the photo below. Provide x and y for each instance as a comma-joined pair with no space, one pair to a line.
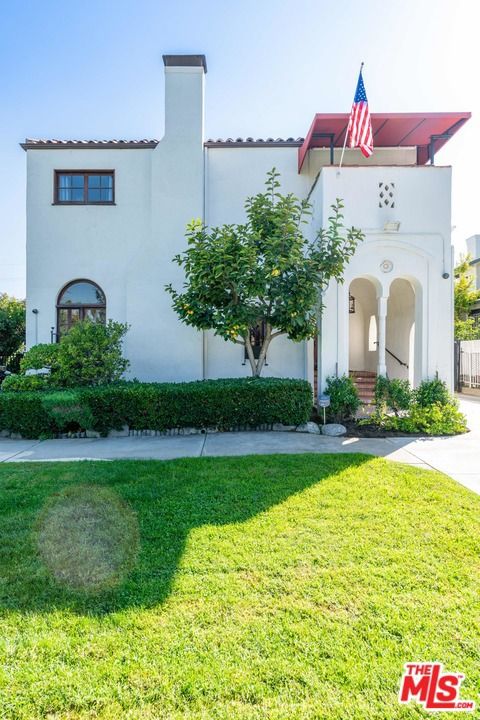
105,218
473,249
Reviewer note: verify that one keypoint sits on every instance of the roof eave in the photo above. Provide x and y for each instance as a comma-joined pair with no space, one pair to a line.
89,145
254,143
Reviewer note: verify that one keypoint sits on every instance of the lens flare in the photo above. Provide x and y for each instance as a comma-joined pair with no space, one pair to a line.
88,538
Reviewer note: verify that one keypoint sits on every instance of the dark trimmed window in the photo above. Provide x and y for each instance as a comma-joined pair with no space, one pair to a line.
80,300
81,187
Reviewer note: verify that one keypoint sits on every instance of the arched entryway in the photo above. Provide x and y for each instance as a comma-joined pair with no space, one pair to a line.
385,329
363,337
363,326
400,330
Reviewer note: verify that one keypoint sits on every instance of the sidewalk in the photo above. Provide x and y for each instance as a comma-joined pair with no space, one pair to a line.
458,457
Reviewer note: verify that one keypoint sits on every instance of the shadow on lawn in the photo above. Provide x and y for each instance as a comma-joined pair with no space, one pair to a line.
168,500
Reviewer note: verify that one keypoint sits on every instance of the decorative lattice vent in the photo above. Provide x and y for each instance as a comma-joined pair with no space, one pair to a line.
386,195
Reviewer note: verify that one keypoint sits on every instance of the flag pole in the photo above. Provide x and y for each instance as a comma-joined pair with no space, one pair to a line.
346,130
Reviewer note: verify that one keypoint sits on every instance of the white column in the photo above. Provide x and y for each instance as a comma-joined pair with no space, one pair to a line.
382,324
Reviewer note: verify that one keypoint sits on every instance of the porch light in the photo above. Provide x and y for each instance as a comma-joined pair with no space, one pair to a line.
351,304
392,226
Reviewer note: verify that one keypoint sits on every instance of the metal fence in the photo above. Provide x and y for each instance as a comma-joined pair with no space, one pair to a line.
469,363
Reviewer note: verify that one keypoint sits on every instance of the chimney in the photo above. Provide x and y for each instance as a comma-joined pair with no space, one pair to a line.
184,97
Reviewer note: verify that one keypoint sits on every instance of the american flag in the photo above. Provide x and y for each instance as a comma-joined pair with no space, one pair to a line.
360,124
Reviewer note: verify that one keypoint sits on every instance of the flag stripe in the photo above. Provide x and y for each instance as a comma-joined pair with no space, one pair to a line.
360,125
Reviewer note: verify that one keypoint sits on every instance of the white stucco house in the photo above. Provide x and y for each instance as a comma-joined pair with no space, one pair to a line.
105,218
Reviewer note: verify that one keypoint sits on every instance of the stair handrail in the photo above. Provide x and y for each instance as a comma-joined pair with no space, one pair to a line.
394,356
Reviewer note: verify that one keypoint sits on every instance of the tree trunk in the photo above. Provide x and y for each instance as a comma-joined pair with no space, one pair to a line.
250,355
263,350
257,365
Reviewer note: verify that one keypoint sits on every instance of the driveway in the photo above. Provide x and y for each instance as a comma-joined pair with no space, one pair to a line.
458,457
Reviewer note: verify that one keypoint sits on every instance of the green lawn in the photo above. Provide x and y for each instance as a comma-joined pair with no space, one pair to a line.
289,587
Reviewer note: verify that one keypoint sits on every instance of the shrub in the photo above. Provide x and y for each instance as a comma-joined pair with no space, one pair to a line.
222,404
16,383
393,394
435,419
24,413
430,409
40,356
344,400
91,354
431,392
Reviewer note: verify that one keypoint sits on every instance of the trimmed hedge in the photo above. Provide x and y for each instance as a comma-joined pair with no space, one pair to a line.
24,413
222,404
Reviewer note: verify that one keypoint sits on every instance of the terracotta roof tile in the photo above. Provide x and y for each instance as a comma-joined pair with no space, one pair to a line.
237,142
31,143
34,143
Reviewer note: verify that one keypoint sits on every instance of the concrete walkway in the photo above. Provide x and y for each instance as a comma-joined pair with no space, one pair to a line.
457,456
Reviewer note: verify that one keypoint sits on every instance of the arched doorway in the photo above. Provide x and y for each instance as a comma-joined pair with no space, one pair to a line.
363,327
401,330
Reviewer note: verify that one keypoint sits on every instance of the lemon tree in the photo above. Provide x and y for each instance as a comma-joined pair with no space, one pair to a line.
263,273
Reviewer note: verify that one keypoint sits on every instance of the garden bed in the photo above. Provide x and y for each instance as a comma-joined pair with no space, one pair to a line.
399,410
355,429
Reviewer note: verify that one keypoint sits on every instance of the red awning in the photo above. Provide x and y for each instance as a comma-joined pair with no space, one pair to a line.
389,130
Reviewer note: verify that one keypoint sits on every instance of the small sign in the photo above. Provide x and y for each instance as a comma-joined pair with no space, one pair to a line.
324,401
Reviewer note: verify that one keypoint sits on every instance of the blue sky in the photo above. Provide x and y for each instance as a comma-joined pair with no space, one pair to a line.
93,69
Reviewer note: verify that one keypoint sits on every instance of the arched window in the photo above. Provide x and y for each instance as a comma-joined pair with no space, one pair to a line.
80,300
